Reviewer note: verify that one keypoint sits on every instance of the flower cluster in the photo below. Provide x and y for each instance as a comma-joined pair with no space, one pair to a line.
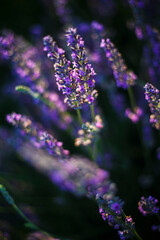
134,116
77,82
110,208
37,136
147,206
124,77
152,96
6,195
88,132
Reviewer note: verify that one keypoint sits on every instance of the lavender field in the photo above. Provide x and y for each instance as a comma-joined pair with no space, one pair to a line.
79,119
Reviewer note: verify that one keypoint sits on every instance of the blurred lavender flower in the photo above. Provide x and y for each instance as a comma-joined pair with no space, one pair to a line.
147,206
62,10
77,83
156,228
137,7
6,44
147,132
124,78
24,59
77,175
158,153
154,49
152,96
134,116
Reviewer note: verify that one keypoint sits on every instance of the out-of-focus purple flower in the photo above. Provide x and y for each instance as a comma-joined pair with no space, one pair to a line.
158,153
147,132
152,97
124,77
7,45
156,228
97,26
134,116
147,206
153,36
137,7
62,10
77,175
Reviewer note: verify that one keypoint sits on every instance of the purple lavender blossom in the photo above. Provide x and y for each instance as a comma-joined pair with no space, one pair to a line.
84,71
134,116
147,206
152,96
110,207
124,78
39,137
77,82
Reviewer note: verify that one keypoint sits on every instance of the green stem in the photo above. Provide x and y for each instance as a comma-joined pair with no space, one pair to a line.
137,235
94,144
91,153
132,229
92,112
11,202
79,116
144,150
31,225
131,97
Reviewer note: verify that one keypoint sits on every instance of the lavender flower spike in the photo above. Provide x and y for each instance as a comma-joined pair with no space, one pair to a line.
38,136
123,76
62,70
147,206
82,70
77,82
152,96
